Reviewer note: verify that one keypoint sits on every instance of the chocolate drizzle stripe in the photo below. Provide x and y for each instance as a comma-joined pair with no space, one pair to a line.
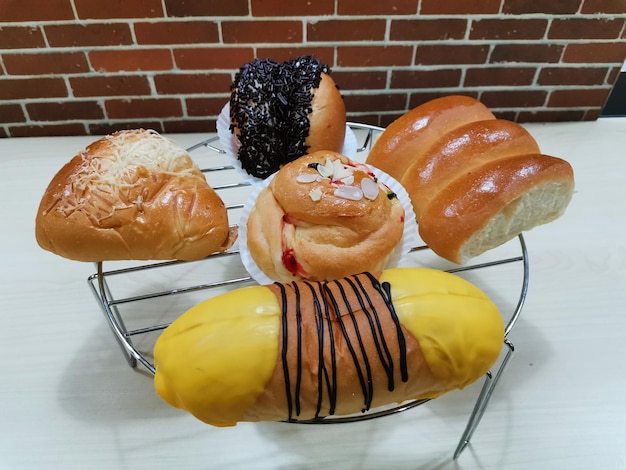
299,339
373,318
328,299
365,382
385,288
285,348
325,381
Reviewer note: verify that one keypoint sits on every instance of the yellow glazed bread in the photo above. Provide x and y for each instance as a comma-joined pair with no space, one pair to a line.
441,149
281,111
305,350
323,217
132,195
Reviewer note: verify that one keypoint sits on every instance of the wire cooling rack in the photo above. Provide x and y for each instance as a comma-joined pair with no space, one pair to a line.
141,299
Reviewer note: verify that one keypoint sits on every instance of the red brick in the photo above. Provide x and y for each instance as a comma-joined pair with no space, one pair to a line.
509,115
184,83
206,7
514,98
105,127
544,53
143,108
574,98
261,31
21,37
370,119
324,54
572,76
15,89
11,113
499,76
42,63
3,133
586,28
603,6
613,74
36,10
372,56
212,58
176,32
442,78
427,30
562,7
386,119
89,9
205,106
359,7
47,130
592,114
282,8
508,29
440,54
64,111
130,60
597,52
77,35
346,30
550,116
366,80
179,126
421,97
110,85
455,7
375,102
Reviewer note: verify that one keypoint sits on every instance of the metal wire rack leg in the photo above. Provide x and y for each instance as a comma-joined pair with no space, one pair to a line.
483,399
490,381
115,321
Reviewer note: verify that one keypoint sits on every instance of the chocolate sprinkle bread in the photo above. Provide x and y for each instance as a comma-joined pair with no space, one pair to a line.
270,104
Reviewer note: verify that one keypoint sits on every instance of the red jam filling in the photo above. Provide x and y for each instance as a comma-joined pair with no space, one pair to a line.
290,262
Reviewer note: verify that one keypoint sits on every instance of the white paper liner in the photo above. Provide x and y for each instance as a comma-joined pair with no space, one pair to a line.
230,143
409,239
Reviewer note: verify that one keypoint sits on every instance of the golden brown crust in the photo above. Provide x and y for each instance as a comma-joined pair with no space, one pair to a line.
406,140
496,202
110,204
327,119
293,235
461,151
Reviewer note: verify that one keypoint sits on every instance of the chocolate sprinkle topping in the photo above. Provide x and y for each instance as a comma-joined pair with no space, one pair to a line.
270,105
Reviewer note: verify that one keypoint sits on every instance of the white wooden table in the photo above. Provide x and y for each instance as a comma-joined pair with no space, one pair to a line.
68,399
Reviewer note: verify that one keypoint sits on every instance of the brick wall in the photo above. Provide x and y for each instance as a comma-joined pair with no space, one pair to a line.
70,67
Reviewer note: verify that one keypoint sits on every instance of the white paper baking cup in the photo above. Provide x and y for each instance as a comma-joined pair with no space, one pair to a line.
230,143
409,239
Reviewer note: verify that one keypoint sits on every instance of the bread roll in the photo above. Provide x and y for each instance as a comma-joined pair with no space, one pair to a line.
305,350
406,140
323,217
132,195
281,111
480,210
461,151
454,144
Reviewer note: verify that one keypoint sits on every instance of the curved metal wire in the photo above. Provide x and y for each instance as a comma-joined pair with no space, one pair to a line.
111,308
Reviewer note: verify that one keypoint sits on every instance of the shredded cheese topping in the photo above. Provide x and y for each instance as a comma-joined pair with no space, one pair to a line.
110,175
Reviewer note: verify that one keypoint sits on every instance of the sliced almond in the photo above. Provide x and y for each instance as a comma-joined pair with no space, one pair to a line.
369,188
315,194
351,193
306,177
